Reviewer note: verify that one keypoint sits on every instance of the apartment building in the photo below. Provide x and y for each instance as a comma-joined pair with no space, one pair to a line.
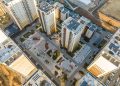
88,80
23,12
108,60
71,32
39,79
12,56
47,17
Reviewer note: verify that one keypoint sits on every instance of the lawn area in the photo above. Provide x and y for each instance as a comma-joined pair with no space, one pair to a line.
56,54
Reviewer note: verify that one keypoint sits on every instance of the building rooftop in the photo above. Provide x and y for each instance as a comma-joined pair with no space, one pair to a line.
84,20
88,80
82,54
57,4
71,24
12,55
45,6
92,26
23,66
3,37
86,4
86,1
74,15
39,79
11,30
6,1
70,12
74,25
64,10
113,47
112,9
7,49
112,78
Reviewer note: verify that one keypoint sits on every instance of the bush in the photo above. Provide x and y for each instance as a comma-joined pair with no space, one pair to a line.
32,31
22,39
38,26
56,54
77,47
27,34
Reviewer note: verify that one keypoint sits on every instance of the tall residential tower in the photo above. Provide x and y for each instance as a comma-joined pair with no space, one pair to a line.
23,12
47,17
71,32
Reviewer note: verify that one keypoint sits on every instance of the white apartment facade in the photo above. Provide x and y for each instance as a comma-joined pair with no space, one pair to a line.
47,17
23,12
71,33
57,6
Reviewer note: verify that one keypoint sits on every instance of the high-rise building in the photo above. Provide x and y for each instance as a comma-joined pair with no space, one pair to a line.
57,6
64,13
23,12
90,29
71,32
108,60
47,17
